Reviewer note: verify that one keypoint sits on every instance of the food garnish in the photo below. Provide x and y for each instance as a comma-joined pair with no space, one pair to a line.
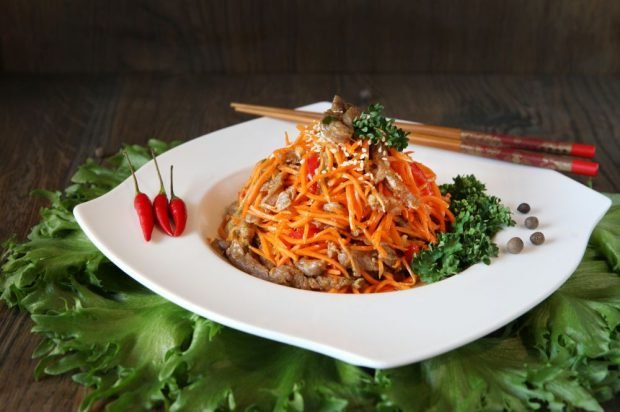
524,208
478,217
160,209
143,205
177,209
515,245
531,222
372,125
160,203
537,238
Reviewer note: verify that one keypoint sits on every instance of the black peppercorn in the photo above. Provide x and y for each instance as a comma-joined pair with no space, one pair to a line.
537,238
531,222
515,245
523,208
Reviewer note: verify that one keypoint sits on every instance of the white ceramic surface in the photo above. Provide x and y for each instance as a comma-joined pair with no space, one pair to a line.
381,330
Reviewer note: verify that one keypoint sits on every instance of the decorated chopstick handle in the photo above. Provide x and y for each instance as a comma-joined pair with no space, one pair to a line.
559,163
528,143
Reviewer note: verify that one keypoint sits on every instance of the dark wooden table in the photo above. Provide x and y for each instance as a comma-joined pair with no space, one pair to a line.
51,124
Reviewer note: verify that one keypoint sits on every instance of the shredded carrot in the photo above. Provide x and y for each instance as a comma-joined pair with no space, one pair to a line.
335,202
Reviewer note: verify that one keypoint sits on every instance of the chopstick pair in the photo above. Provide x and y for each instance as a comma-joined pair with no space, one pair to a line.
522,150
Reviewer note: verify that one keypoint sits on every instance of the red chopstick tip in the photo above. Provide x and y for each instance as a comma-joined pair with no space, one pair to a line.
582,150
583,167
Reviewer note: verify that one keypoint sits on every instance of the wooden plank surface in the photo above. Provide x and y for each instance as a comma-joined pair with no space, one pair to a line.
51,124
350,36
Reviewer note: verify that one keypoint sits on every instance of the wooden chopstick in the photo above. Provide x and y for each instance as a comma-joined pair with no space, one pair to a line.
491,145
281,113
461,135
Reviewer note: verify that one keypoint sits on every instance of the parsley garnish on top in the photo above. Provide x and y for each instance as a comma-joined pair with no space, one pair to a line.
478,217
373,126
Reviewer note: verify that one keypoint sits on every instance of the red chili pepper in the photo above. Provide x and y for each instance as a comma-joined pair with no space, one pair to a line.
298,232
418,174
312,165
420,178
143,206
178,210
411,251
160,204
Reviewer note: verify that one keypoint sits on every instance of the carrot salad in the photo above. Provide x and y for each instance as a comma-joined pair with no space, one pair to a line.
332,215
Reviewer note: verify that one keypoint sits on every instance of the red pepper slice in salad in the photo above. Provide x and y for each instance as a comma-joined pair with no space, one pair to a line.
298,232
420,179
311,167
411,251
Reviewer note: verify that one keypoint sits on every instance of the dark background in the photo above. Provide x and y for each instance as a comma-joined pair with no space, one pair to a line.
79,77
324,36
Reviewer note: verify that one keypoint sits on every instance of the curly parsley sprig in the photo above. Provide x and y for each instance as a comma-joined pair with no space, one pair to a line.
373,126
479,216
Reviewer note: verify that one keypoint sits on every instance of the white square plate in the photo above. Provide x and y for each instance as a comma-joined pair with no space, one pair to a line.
380,330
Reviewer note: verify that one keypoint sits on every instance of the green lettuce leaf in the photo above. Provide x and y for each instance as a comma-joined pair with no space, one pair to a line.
576,328
491,374
606,237
228,368
117,344
488,374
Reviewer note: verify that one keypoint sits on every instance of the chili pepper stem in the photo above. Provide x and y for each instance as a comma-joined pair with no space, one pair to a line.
133,172
162,189
171,183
